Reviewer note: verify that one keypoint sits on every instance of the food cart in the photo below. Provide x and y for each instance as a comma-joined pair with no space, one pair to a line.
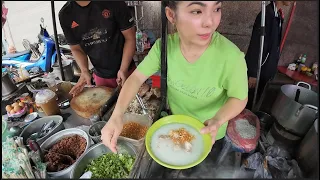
75,124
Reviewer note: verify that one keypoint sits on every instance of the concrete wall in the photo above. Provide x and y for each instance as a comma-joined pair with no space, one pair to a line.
24,20
237,20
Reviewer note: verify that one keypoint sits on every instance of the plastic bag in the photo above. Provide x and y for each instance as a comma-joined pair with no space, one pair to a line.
295,171
23,73
277,151
256,163
274,164
86,175
280,163
245,144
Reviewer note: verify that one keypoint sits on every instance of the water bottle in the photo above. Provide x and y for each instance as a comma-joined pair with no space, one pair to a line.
139,41
304,58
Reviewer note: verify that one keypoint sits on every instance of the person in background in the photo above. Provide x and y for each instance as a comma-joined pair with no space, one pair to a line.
104,31
11,49
207,73
271,49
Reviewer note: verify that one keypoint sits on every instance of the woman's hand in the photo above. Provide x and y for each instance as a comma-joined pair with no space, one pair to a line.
212,126
111,131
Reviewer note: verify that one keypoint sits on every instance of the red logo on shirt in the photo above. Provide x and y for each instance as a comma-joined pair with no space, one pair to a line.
74,24
106,13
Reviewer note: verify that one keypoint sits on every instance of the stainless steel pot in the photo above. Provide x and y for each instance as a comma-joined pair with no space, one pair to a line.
308,152
8,86
295,108
65,173
76,69
98,150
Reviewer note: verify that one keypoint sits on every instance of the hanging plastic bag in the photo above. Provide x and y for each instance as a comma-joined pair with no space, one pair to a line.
244,131
23,73
4,14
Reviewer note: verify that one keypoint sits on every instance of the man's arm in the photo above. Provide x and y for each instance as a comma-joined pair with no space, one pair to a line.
80,57
125,22
77,52
128,49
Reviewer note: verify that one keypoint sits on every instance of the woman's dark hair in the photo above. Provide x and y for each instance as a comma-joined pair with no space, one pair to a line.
171,4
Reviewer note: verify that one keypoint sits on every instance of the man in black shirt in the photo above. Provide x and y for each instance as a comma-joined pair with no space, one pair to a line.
104,31
271,49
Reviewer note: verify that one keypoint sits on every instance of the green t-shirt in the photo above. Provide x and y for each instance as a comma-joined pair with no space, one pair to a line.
201,88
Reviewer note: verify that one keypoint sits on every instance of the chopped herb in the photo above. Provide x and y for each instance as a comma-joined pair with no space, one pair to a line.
111,165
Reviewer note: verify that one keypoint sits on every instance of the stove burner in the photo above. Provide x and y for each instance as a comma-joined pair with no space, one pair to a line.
278,134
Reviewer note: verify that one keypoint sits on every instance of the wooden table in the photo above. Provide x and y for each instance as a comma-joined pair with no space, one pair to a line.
297,76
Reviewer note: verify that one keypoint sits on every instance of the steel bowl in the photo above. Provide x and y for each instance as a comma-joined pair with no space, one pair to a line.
97,151
95,131
65,173
37,124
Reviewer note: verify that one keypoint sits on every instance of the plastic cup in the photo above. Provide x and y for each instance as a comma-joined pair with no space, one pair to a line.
46,99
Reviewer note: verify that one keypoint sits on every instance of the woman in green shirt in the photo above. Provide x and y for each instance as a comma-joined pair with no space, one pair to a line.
207,73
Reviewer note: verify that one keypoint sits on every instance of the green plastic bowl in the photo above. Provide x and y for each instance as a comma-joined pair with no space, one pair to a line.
183,120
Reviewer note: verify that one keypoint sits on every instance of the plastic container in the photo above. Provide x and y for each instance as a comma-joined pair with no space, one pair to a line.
46,99
156,81
137,118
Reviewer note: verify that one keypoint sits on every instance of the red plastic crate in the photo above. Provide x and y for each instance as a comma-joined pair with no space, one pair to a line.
156,81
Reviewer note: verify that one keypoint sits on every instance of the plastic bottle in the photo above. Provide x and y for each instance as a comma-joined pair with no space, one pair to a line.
314,66
139,41
299,59
304,58
23,73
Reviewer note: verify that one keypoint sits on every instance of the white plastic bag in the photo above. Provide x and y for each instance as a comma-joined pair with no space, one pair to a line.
86,175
